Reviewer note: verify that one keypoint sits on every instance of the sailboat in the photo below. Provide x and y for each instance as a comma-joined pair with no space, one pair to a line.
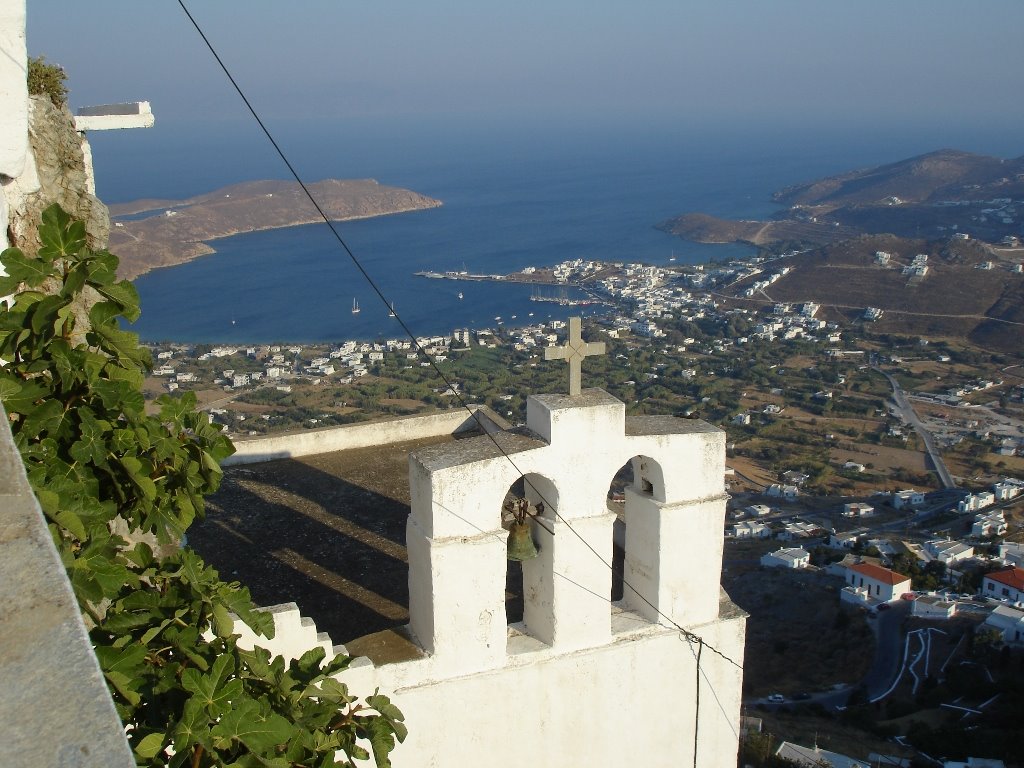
673,256
460,294
392,312
355,307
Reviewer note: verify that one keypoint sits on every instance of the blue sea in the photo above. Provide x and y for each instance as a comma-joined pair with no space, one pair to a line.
514,195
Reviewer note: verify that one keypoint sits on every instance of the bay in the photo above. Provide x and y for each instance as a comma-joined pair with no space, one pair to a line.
513,197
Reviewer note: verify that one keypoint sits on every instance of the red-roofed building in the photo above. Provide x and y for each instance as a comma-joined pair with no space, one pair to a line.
870,583
1007,584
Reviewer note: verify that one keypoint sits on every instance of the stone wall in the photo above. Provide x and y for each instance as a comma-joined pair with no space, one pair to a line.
56,172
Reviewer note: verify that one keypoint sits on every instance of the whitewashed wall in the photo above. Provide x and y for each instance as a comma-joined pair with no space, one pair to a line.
579,681
352,436
13,102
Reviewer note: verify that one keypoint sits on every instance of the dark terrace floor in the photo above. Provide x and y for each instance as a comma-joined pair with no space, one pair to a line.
326,532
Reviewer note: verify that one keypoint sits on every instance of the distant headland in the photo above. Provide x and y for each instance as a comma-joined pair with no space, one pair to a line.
177,231
927,196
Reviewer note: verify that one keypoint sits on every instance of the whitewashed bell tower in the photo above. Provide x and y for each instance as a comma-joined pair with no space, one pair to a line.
586,681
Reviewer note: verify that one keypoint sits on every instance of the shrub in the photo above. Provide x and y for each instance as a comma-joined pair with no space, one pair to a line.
162,627
47,80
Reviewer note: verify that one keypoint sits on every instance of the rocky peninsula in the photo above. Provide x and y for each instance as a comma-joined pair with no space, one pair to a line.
178,231
930,195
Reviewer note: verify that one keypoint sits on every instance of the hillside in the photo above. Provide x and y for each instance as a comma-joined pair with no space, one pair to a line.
956,298
180,230
945,175
928,196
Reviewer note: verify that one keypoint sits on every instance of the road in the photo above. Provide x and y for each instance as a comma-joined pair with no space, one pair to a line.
909,416
885,665
888,648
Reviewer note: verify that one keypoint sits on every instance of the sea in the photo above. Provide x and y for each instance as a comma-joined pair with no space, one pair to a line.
514,195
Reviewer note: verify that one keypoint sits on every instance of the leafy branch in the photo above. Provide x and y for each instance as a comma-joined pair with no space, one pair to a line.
99,463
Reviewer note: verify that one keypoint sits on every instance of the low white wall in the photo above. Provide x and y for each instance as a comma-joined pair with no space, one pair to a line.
361,435
294,634
631,702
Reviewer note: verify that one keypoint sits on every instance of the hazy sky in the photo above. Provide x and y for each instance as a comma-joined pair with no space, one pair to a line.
869,61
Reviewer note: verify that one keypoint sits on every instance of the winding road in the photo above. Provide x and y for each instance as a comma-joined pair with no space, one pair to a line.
909,416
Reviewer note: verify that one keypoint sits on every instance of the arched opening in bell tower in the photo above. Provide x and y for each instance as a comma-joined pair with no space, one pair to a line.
638,483
527,512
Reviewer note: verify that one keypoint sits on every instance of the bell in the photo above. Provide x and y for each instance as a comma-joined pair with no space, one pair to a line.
520,542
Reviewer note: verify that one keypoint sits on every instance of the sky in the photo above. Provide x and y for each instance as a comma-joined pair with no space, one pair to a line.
868,63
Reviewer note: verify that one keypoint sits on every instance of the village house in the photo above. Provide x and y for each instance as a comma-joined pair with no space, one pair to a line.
792,477
908,498
857,509
869,583
750,529
847,540
1011,553
947,551
1007,584
975,501
787,558
798,529
933,607
989,524
786,492
1009,622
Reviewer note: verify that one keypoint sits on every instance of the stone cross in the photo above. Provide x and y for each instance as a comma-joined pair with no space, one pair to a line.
574,351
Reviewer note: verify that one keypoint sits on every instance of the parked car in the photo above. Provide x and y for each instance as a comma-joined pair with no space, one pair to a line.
776,698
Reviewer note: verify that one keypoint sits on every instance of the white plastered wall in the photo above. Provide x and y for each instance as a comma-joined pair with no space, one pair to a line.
580,681
13,104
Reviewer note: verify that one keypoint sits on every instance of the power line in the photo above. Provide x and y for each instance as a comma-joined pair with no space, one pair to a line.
690,636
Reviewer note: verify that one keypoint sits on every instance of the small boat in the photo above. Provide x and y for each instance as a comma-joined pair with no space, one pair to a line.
672,257
531,314
392,312
355,307
460,294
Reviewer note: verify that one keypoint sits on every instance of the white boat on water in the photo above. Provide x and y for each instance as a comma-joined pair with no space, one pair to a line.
392,312
355,307
460,294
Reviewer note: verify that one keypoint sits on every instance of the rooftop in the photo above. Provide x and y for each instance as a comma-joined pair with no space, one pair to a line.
878,573
1011,577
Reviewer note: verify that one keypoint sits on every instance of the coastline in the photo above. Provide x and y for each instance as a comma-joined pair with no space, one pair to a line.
200,248
184,229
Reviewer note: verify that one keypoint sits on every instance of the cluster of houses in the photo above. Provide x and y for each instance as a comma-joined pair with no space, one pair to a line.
918,267
760,285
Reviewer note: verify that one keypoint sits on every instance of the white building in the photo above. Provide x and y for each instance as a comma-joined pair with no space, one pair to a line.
947,551
1011,553
573,659
869,583
975,501
933,607
1007,585
1009,621
989,524
787,558
907,498
857,509
750,529
787,492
